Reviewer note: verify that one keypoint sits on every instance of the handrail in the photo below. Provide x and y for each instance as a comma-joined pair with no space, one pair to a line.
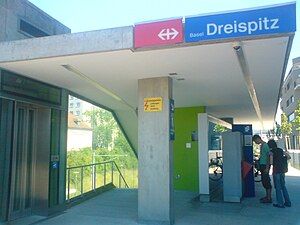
126,185
94,177
93,164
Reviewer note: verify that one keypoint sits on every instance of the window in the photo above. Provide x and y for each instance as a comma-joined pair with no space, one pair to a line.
295,84
31,30
292,99
291,117
78,104
71,104
77,113
71,97
71,112
288,103
288,86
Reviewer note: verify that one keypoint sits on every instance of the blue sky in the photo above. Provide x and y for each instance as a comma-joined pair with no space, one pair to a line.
89,15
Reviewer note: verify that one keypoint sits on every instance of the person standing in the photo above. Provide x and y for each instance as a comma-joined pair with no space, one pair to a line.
277,159
264,168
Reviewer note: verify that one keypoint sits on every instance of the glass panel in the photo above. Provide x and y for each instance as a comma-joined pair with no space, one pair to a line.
30,133
19,152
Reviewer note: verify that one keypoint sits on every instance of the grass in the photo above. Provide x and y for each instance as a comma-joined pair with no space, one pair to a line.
130,176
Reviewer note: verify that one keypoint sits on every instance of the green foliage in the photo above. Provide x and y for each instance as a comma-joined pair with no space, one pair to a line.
219,128
104,127
109,143
296,121
278,130
286,126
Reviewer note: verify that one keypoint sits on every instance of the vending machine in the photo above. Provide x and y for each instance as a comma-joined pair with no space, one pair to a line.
247,161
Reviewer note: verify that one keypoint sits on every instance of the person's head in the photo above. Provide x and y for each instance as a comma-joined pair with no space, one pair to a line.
272,144
257,139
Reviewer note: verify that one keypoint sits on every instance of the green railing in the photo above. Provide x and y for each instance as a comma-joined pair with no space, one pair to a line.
88,178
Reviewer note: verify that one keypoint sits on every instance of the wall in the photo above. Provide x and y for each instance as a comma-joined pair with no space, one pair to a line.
79,138
11,11
186,160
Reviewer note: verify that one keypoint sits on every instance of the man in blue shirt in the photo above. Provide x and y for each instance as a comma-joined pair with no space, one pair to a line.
264,166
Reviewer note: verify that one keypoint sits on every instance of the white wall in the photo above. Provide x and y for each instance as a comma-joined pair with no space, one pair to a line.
79,138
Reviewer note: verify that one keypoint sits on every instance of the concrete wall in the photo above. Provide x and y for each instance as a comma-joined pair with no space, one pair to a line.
295,158
11,11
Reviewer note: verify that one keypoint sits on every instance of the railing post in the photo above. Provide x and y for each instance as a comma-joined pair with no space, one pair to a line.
104,173
95,177
112,172
68,184
81,186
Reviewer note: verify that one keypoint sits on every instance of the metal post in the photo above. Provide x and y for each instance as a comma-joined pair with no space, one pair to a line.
95,177
104,173
81,188
112,172
68,184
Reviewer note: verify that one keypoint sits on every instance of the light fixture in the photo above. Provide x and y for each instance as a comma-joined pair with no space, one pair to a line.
180,79
173,74
238,48
95,84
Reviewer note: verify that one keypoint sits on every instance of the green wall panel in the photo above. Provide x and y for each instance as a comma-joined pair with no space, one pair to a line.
186,160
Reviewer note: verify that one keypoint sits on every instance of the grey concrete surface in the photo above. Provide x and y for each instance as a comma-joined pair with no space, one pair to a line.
155,194
11,11
120,207
68,44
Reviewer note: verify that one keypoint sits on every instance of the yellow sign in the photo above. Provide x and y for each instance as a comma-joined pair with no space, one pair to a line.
153,104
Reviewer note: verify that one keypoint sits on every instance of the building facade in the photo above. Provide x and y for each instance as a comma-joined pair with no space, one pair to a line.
291,96
21,19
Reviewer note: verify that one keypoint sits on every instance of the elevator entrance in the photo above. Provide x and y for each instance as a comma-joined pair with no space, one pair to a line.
23,161
31,135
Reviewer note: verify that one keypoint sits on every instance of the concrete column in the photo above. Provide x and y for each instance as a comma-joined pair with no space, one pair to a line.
155,153
203,157
232,159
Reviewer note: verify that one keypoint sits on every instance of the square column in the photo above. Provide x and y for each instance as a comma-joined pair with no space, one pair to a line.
155,151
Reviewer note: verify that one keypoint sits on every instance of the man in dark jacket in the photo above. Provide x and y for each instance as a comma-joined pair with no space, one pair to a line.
279,168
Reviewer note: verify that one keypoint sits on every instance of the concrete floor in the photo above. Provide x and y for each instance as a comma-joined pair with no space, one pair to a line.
120,207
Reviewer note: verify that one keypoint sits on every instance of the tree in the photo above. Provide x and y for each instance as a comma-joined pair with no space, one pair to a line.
296,121
286,129
219,128
104,128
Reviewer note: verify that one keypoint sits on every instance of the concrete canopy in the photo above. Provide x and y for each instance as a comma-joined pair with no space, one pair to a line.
103,67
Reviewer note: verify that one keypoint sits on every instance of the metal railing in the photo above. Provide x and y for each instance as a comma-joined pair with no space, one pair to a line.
87,178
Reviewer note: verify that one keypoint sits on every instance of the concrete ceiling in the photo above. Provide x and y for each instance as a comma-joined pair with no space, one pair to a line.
212,77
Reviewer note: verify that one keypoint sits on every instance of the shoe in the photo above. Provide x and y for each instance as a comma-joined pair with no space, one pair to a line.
266,200
287,204
278,206
263,198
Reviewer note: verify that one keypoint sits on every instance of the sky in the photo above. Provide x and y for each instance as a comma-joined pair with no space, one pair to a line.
87,15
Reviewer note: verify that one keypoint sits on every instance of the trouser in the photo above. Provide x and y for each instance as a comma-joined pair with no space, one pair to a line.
265,177
281,191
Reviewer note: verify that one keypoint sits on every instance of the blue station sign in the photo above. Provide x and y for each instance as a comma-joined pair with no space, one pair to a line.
263,21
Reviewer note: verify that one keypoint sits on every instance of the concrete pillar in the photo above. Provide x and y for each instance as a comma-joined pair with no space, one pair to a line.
232,160
155,154
203,157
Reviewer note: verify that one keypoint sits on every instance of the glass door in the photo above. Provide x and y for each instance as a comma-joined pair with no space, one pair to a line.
23,161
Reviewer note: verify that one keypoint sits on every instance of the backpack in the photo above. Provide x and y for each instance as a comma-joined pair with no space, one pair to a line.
280,160
285,164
